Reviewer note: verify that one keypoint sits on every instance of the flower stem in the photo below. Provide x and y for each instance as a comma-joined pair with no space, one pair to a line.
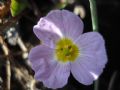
94,17
93,10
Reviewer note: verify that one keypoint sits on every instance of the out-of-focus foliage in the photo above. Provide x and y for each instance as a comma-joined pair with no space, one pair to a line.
17,6
21,73
4,8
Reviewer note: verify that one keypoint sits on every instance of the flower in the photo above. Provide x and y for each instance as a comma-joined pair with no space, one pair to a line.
66,50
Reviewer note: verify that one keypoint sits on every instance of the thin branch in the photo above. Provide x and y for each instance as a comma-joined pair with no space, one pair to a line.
8,67
93,10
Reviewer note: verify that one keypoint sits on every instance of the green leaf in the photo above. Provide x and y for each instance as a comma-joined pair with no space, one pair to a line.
17,6
61,4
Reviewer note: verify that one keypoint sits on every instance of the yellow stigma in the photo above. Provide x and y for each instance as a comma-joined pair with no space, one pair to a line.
66,50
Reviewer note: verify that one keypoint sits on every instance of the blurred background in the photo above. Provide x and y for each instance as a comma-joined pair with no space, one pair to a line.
17,18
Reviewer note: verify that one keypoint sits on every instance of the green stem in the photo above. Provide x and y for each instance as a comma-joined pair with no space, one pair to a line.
94,17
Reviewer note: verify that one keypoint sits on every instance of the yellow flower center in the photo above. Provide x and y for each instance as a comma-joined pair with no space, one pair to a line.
66,50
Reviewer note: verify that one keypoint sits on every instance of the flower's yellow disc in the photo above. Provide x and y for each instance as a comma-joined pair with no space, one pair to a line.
66,50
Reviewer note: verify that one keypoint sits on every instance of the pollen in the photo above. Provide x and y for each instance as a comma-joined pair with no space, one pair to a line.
66,50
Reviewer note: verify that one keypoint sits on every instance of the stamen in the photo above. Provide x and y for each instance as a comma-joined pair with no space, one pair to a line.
66,50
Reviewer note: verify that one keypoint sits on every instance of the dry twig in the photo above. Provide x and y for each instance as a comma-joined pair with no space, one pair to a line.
8,67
